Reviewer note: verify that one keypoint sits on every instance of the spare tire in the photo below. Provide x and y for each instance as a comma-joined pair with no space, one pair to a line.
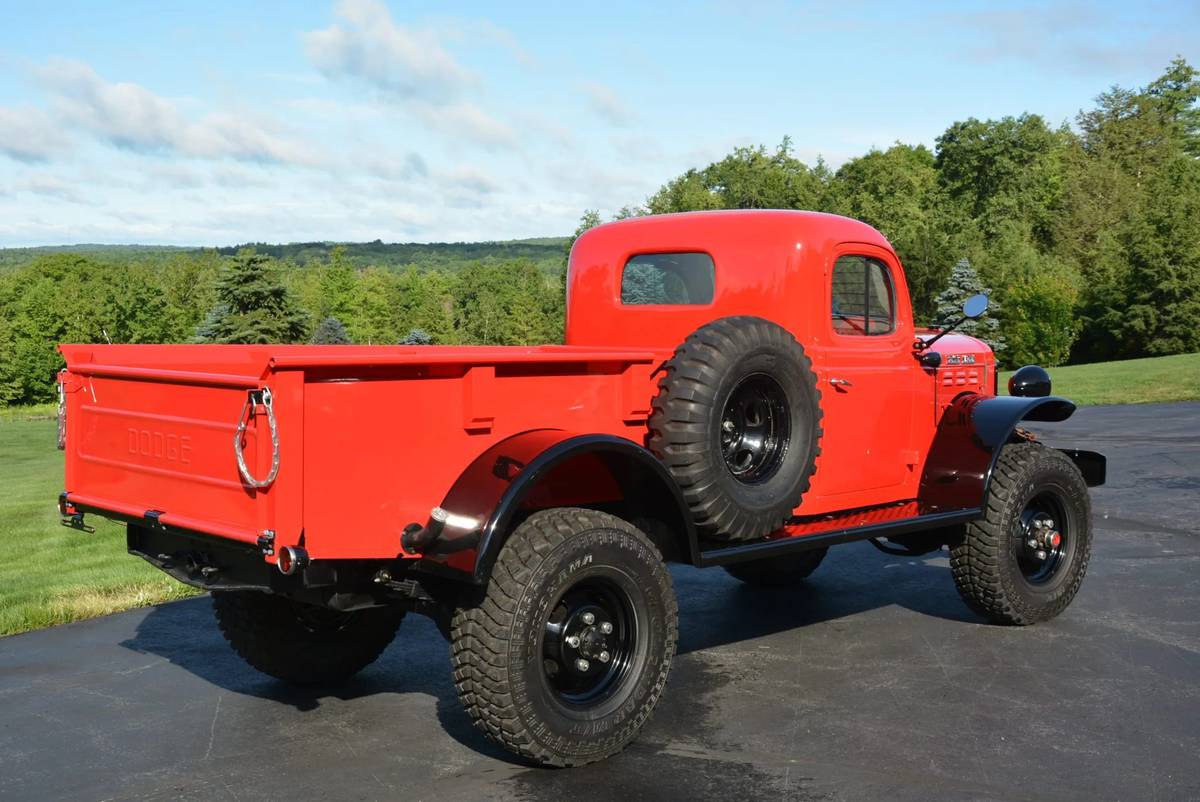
737,422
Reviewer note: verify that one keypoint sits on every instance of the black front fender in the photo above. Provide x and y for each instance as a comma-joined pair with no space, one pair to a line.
970,434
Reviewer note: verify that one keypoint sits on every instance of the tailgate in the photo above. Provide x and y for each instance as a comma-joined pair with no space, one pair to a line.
142,437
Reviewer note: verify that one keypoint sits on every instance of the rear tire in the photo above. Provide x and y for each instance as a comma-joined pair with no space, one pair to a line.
301,643
1024,561
567,651
778,572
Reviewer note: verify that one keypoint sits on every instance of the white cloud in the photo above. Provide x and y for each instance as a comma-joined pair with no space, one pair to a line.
488,32
49,186
471,179
606,104
28,134
411,67
467,121
132,117
367,45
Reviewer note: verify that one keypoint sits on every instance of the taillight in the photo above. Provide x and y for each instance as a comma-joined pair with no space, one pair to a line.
62,413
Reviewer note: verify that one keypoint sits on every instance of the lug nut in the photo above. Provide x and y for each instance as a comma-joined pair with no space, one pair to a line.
582,665
606,628
588,618
573,641
1032,543
1041,555
604,657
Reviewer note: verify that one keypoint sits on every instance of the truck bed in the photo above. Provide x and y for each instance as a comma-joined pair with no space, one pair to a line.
370,437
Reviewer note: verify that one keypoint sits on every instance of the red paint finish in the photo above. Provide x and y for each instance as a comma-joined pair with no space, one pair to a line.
371,438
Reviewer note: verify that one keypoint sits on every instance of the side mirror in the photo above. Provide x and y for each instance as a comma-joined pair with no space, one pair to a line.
975,306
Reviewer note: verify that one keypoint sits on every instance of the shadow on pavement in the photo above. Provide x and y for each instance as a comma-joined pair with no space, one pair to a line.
715,610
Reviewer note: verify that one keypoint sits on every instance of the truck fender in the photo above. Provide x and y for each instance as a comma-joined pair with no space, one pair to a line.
546,468
967,444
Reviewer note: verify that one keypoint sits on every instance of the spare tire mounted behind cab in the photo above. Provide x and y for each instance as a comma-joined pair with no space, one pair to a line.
737,422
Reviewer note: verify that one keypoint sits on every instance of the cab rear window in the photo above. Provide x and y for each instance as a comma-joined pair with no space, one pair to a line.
681,279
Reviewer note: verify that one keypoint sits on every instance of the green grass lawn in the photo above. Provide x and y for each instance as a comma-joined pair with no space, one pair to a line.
50,574
1135,381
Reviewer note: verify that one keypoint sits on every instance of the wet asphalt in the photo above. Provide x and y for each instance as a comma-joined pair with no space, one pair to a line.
872,681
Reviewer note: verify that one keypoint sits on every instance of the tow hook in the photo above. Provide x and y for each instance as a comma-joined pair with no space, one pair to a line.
75,521
70,517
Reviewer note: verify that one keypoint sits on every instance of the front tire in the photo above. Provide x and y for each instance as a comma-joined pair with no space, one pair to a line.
1024,560
565,655
778,572
301,643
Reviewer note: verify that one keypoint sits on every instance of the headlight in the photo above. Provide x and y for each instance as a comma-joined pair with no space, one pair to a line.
1030,381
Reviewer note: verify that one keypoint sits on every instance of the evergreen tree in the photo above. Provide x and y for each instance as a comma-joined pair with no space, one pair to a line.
964,282
337,282
417,337
253,306
331,332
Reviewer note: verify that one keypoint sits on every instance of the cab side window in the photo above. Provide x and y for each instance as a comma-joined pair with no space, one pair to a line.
863,302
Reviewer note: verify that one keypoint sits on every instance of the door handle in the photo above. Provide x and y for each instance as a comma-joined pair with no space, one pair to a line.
840,382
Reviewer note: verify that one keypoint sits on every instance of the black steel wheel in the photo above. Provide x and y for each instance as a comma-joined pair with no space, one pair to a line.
566,652
1024,560
1044,544
755,429
737,422
589,642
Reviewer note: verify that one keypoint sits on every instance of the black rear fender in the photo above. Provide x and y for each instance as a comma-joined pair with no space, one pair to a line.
547,468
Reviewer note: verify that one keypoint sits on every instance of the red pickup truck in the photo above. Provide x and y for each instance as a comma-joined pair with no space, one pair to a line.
737,389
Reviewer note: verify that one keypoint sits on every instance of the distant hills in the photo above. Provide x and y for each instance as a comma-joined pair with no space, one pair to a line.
547,252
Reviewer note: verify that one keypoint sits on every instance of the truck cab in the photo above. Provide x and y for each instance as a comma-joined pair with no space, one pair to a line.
836,284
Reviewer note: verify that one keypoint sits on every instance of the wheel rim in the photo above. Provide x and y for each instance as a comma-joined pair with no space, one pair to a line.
1045,538
589,642
755,429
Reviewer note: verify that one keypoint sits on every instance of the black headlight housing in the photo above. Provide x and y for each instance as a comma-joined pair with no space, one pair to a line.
1030,381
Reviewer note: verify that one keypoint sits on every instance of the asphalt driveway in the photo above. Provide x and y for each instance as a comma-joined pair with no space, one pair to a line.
871,682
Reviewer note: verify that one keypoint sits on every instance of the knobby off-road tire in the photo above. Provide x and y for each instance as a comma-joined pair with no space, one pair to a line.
737,422
300,643
513,660
996,571
778,572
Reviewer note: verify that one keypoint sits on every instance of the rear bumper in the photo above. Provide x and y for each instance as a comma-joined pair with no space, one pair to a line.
128,513
217,564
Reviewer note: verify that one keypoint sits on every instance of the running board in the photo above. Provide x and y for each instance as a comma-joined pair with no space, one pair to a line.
763,549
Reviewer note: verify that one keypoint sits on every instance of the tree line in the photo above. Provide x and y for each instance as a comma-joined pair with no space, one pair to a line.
252,297
1086,236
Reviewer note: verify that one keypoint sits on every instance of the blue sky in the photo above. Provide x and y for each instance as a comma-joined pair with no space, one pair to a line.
221,122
